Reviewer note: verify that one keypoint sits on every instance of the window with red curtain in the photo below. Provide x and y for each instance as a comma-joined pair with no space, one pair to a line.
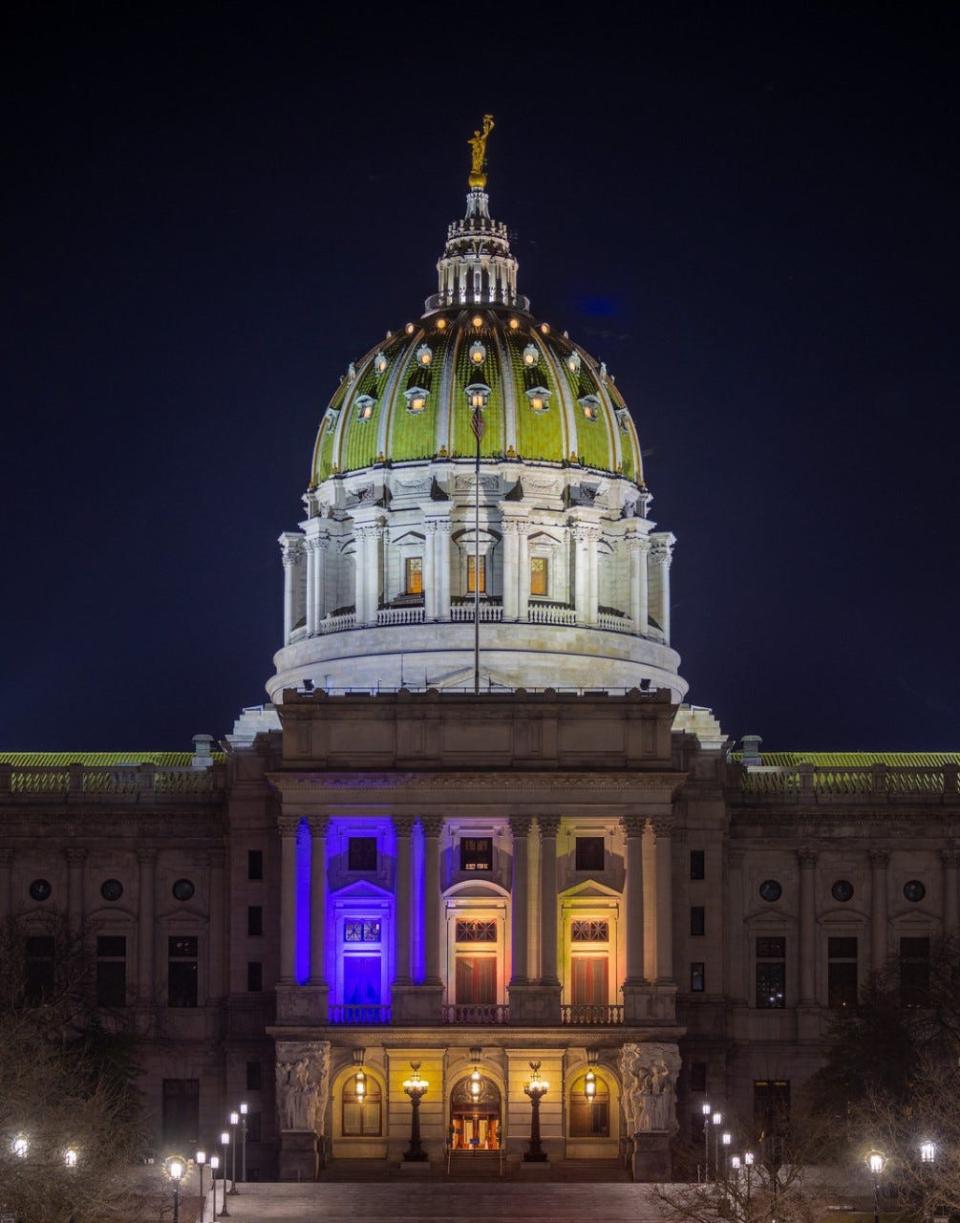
476,979
590,979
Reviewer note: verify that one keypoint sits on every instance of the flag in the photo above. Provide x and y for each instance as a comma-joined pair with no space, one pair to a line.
478,424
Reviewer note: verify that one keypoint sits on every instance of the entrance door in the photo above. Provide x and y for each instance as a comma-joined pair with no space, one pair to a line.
475,1131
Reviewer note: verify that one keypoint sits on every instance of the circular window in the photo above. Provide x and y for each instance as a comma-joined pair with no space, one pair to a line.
771,890
183,889
842,890
111,889
40,889
914,890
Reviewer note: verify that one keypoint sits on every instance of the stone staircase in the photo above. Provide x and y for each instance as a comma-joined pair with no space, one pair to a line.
482,1166
475,1165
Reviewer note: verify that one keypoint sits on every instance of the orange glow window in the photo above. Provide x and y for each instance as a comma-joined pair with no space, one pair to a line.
538,575
472,575
414,575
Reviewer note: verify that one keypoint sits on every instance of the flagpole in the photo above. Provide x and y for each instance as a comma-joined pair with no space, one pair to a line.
476,571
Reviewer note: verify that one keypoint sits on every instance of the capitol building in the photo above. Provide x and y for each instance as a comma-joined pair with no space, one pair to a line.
477,837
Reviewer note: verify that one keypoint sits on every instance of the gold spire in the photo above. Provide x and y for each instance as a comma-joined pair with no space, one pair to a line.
478,155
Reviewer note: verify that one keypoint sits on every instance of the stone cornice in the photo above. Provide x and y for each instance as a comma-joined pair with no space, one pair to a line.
295,783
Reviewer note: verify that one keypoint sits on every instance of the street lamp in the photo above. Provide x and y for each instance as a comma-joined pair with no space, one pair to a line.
214,1165
706,1110
70,1157
876,1162
20,1146
244,1109
717,1120
175,1170
201,1159
416,1088
536,1089
928,1152
234,1122
225,1143
725,1139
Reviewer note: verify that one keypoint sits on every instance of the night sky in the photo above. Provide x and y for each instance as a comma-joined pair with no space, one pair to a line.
750,215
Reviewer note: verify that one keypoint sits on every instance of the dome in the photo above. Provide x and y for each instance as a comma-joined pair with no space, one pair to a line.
407,399
423,563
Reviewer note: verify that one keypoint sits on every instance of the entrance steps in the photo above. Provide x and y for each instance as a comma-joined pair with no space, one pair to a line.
356,1170
592,1170
475,1165
482,1166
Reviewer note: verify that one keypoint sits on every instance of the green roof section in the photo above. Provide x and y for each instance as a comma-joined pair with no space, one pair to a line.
858,760
359,448
323,467
467,373
539,434
60,760
412,435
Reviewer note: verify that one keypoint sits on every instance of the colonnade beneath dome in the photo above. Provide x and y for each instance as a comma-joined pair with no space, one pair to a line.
536,970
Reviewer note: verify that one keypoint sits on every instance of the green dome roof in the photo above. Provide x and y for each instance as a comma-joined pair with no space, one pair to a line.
547,400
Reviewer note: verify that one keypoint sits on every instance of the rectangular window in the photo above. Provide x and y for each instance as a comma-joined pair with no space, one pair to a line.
40,966
771,1112
254,920
361,930
914,971
589,930
476,853
254,1076
697,977
697,919
476,931
362,854
698,1076
254,977
539,575
589,854
413,575
589,980
771,973
254,863
182,970
361,980
111,970
181,1114
697,864
476,979
472,574
842,972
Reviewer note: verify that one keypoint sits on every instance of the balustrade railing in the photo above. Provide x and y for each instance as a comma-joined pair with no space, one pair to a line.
475,1012
359,1013
134,781
590,1013
489,612
551,613
401,615
338,624
815,783
614,621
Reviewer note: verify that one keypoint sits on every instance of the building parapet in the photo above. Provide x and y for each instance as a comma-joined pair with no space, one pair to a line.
81,783
810,783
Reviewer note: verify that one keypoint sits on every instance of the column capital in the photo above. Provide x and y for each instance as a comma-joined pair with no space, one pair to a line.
662,825
634,825
75,855
292,548
289,825
549,825
878,857
318,825
432,825
519,826
403,825
146,856
950,858
807,858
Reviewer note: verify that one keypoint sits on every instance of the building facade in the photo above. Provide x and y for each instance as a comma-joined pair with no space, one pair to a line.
410,860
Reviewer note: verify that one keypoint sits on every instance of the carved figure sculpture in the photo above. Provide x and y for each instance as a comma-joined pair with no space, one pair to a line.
302,1084
649,1075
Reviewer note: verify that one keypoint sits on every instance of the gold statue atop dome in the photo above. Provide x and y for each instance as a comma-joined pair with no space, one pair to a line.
478,155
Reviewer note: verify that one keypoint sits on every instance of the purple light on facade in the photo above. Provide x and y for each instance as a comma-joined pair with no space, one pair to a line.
303,904
417,953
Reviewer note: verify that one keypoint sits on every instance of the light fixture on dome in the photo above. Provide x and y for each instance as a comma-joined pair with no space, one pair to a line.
539,398
380,363
545,328
477,320
478,354
416,398
530,355
424,354
441,324
365,406
514,324
478,395
410,328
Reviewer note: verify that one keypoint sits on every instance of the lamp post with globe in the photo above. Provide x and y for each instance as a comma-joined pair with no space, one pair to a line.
536,1089
176,1166
416,1088
875,1162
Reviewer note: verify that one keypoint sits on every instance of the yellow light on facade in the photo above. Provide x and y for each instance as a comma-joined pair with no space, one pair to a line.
441,324
475,1085
514,324
478,400
477,320
360,1086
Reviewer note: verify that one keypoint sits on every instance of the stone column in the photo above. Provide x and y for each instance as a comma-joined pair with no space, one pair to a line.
633,826
318,899
951,912
662,556
733,984
430,570
581,573
310,547
808,926
322,545
663,827
146,933
403,892
76,856
432,829
218,916
444,527
523,570
879,860
519,950
638,548
6,882
594,555
292,545
289,826
549,827
511,602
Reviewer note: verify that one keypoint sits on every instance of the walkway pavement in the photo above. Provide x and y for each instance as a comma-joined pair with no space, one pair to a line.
508,1202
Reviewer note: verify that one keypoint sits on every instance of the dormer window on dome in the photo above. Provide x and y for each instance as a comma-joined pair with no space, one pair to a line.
531,355
424,355
365,405
478,353
380,363
478,395
539,398
573,363
416,398
591,407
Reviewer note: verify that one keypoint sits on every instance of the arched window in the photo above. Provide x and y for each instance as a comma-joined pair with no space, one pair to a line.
589,1118
361,1102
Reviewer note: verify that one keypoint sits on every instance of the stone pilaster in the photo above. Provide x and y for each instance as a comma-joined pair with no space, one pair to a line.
662,557
511,602
318,909
76,857
218,918
879,861
291,544
634,999
289,826
146,931
733,983
807,859
432,826
663,829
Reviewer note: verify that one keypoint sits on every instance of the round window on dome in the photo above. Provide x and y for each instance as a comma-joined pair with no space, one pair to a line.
183,889
111,889
914,890
40,889
514,324
477,320
770,890
842,890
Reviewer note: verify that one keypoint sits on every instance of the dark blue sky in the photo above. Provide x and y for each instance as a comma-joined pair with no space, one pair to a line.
751,216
